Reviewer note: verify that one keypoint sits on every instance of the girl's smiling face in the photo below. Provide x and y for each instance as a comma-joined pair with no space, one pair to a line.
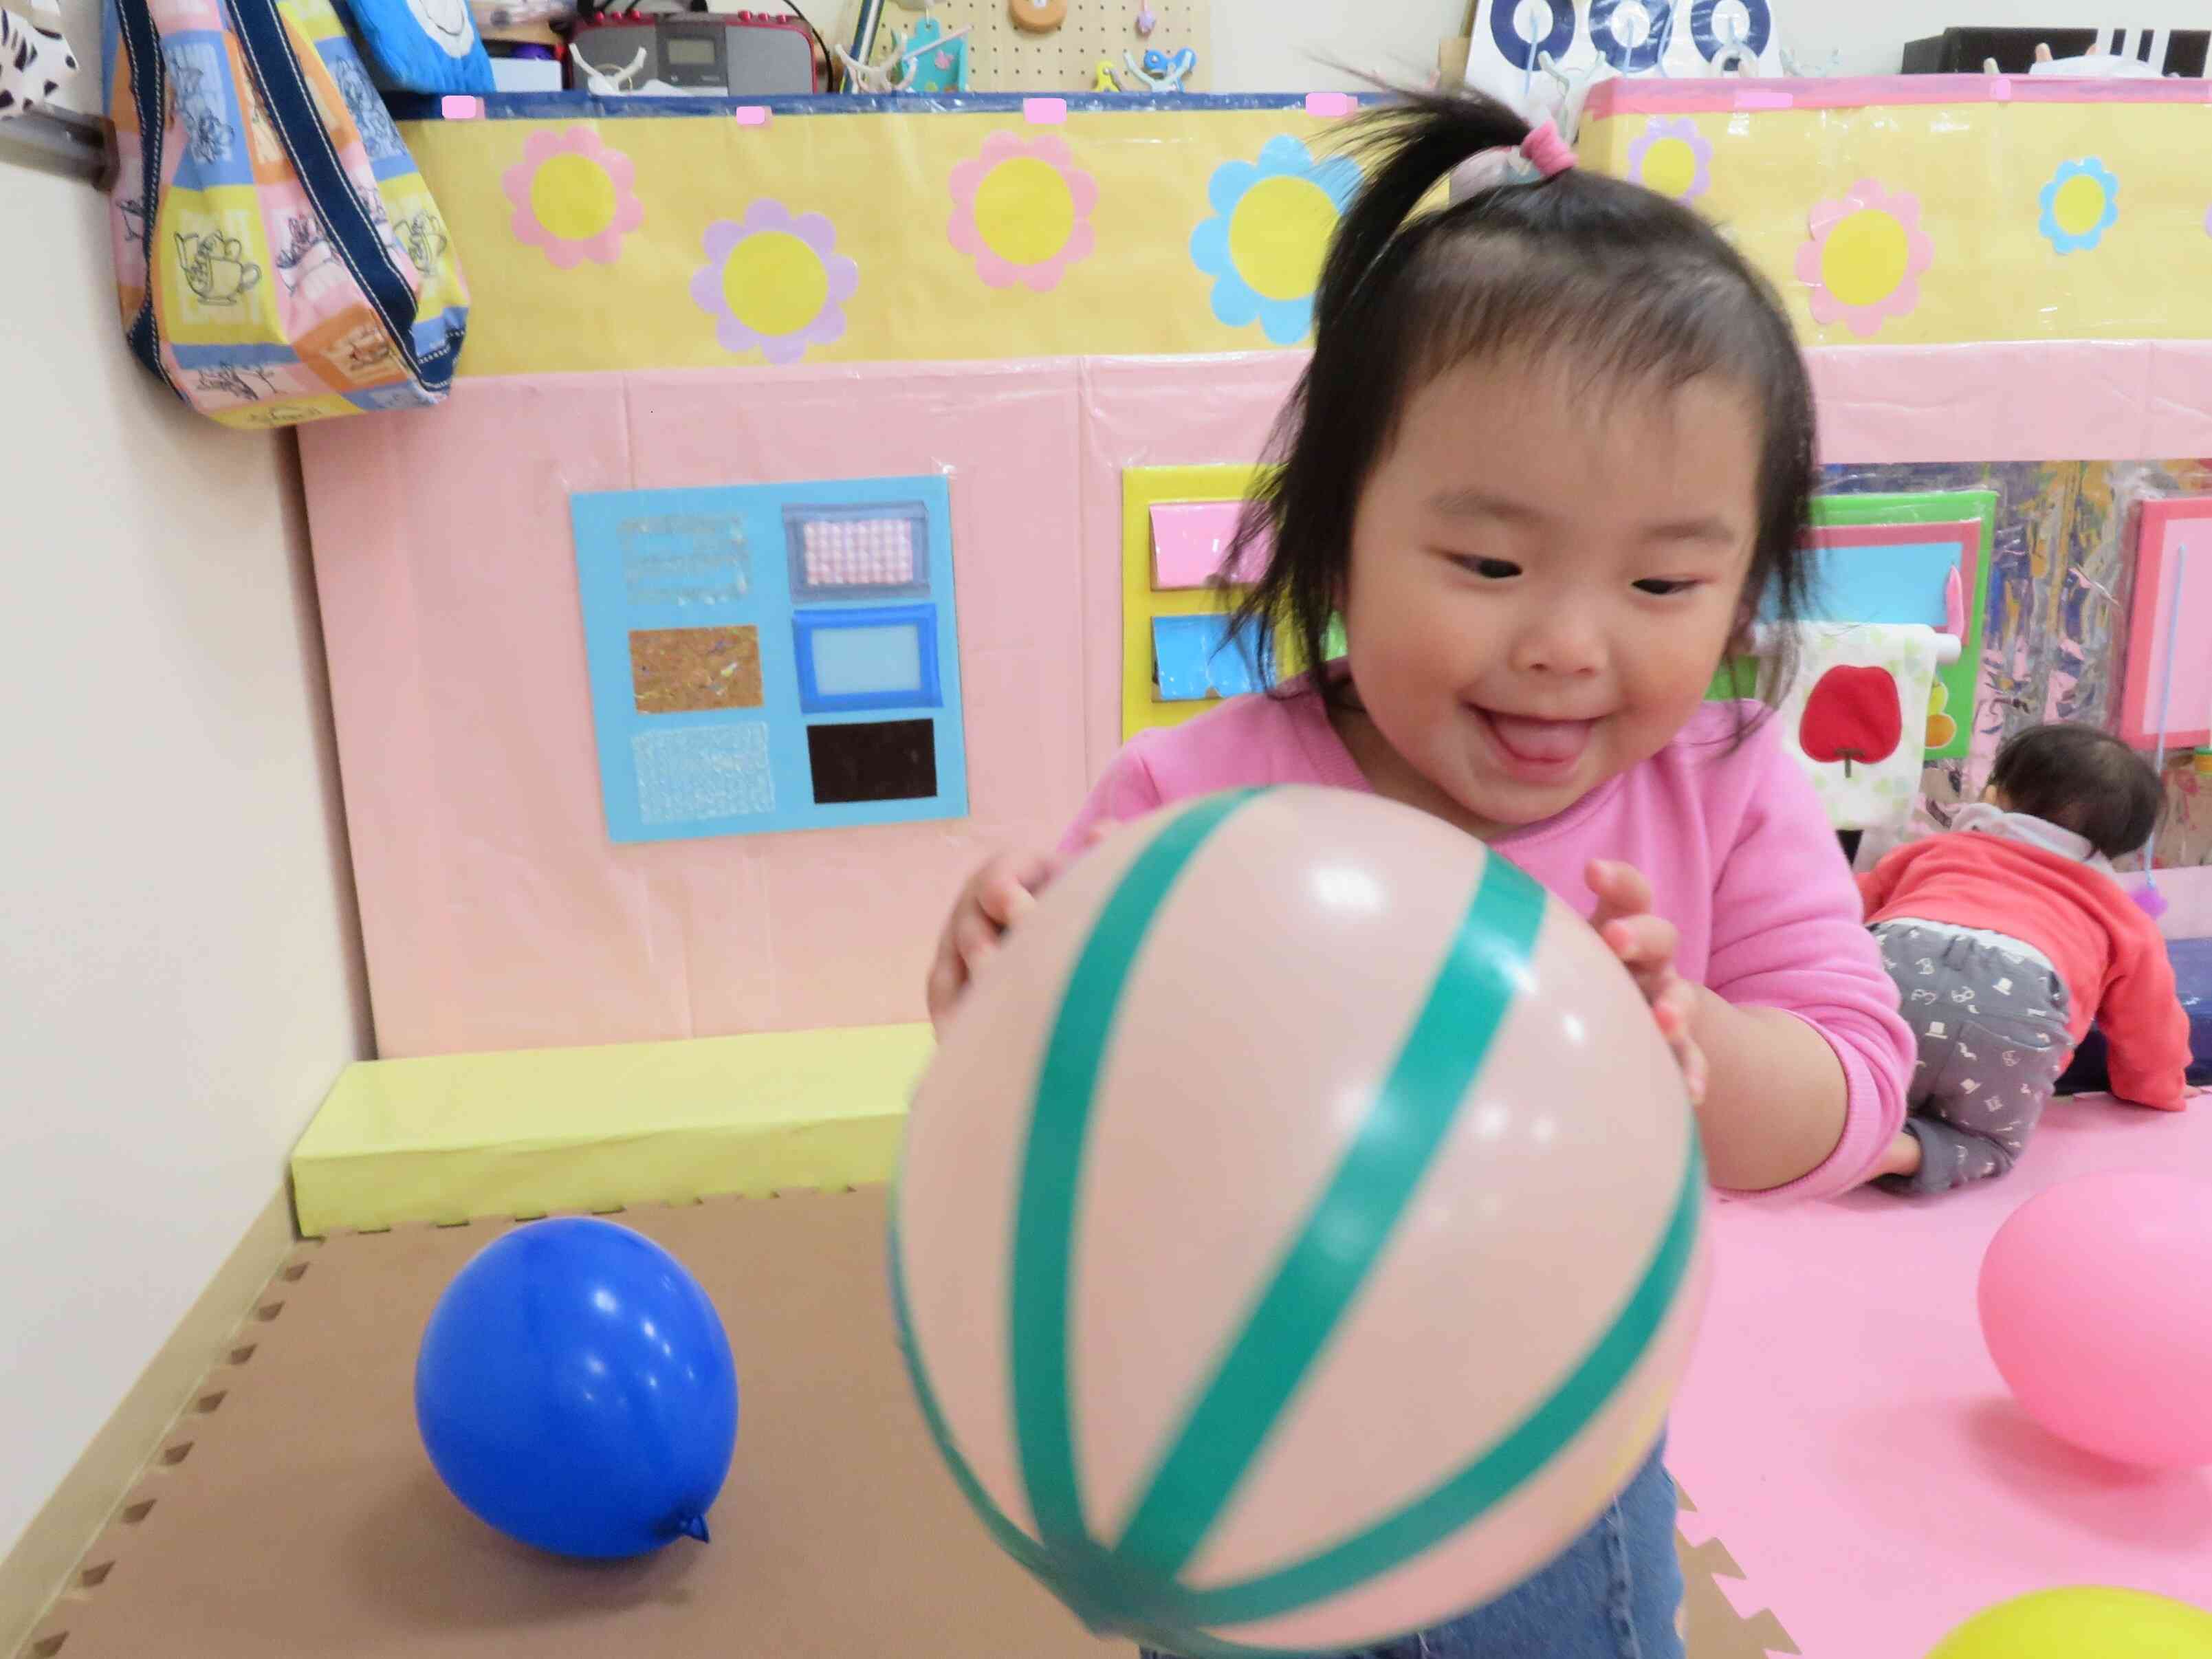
1544,573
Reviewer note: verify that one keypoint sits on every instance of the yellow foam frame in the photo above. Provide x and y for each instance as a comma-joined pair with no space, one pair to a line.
1144,488
538,1131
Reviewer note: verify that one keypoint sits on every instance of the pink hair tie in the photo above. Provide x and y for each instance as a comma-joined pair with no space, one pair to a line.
1546,151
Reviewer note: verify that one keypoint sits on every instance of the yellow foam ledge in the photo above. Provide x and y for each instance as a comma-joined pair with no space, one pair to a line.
454,1137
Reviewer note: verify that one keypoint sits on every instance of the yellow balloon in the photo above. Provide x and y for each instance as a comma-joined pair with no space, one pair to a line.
2077,1624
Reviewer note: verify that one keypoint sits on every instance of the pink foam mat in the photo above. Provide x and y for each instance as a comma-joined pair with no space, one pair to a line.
1845,1430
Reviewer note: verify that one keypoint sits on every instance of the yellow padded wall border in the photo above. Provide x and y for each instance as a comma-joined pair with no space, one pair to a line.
452,1138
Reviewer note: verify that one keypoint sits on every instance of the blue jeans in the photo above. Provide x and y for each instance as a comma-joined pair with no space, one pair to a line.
1613,1594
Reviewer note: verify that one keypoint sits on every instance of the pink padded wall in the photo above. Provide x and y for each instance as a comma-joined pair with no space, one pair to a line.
496,914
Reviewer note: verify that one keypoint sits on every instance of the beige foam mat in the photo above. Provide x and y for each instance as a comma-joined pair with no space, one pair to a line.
293,1514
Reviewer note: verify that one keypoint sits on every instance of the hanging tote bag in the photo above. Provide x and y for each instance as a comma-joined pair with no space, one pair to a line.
277,255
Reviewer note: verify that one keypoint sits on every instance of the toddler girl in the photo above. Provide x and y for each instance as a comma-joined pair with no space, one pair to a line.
1553,446
2007,938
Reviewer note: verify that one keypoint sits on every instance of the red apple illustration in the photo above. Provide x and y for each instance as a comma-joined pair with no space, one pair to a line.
1852,715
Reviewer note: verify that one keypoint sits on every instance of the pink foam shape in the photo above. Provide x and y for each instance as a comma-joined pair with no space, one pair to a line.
1045,111
962,230
1842,1414
516,181
1328,106
752,115
2167,526
456,106
1190,539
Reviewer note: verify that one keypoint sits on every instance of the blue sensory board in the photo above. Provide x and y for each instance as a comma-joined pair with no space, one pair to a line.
835,708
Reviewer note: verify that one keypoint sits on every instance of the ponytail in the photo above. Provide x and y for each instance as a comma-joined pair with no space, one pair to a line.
1406,148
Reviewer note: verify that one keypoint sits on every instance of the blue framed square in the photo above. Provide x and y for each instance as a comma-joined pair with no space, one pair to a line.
878,656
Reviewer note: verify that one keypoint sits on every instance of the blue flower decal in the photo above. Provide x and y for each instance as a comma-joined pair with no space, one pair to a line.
2080,205
1269,233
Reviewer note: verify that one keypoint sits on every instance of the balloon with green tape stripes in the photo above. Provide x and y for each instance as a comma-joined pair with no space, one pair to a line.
1298,1234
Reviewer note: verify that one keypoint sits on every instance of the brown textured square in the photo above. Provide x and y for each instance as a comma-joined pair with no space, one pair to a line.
308,1523
689,671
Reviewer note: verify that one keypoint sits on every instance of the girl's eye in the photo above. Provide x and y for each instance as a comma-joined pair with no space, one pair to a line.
1662,587
1495,570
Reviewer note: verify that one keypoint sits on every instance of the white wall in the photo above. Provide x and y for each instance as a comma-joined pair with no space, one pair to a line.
178,978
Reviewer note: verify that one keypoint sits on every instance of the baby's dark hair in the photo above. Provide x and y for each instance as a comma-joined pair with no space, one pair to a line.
2083,780
1598,273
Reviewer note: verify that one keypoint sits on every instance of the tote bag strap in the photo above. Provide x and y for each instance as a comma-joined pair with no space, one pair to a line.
134,22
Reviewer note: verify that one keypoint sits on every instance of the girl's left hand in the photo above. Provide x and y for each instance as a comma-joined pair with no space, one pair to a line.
1645,945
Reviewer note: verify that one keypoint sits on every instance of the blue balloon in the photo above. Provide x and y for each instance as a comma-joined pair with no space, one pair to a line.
574,1390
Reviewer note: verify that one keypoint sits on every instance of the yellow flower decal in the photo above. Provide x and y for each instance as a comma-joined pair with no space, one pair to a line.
1943,729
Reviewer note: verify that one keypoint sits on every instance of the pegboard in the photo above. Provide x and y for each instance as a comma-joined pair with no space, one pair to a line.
1003,57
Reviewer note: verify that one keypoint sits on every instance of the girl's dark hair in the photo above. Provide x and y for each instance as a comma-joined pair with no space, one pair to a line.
1600,272
2083,780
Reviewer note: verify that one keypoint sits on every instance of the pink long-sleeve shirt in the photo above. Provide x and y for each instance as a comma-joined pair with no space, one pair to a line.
1735,843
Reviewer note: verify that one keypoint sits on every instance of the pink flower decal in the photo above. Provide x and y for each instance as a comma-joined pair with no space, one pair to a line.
1671,156
572,197
775,283
1021,210
1863,256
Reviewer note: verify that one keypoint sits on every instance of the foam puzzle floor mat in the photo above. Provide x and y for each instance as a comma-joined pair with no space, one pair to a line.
293,1514
1843,1426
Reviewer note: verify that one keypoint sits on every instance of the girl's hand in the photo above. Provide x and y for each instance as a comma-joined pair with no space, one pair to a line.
1645,945
998,895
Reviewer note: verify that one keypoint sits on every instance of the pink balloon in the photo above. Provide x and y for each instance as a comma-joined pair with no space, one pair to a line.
2096,1303
1299,1231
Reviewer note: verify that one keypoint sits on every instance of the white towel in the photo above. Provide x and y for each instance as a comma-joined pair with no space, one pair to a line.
1856,717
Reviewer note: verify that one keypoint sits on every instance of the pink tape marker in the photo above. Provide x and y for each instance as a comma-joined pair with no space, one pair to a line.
1764,101
1328,106
1045,111
752,115
458,106
2000,90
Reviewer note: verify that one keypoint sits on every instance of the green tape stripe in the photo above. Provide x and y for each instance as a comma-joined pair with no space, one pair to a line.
1052,1165
1347,1229
1010,1538
1467,1494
